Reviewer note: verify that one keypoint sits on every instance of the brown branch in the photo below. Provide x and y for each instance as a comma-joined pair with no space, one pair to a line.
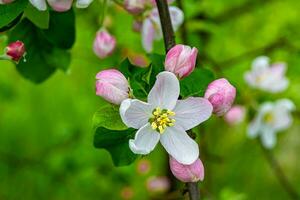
279,173
169,39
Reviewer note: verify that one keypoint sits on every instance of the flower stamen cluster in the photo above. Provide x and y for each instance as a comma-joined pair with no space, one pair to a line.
160,119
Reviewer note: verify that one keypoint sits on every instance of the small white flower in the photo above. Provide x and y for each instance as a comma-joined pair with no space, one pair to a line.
271,118
265,77
59,5
165,118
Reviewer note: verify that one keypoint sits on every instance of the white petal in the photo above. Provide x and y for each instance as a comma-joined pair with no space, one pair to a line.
287,104
177,17
179,145
260,64
135,113
39,4
145,140
278,85
268,138
254,128
192,111
148,34
165,91
83,3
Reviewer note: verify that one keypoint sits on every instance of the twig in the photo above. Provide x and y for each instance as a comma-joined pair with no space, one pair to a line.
169,39
279,173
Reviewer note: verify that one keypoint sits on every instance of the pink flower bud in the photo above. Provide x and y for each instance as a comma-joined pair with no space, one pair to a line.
6,1
60,5
187,173
181,60
235,115
135,6
104,44
158,184
15,50
112,86
221,95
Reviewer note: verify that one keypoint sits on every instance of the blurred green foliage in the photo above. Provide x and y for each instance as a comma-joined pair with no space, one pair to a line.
46,138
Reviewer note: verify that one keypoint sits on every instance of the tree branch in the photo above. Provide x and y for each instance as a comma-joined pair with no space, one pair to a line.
169,39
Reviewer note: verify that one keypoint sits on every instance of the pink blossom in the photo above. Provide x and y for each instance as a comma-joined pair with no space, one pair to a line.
158,184
60,5
187,173
221,95
135,6
235,115
104,44
15,50
181,60
112,86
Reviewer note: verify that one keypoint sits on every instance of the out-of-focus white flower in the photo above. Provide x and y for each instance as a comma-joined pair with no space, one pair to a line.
270,78
59,5
165,118
270,119
151,28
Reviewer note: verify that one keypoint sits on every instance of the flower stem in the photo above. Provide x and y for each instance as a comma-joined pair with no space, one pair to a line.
169,40
279,173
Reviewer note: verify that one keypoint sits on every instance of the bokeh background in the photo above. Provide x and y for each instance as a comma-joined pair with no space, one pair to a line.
46,138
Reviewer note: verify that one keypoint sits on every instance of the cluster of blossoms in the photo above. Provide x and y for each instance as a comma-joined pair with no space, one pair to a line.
164,118
14,51
272,117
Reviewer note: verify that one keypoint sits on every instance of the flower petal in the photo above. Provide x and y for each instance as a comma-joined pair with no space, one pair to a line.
135,113
179,145
192,111
165,91
268,138
39,4
60,5
177,17
145,140
83,3
260,64
148,34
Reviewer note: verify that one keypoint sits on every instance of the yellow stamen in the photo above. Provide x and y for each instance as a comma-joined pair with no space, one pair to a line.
160,119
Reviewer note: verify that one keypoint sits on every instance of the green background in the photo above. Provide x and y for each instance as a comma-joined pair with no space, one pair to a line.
46,138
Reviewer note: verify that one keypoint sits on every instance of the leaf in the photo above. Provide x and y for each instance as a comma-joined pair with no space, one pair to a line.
42,58
61,31
196,83
116,143
38,18
11,11
111,134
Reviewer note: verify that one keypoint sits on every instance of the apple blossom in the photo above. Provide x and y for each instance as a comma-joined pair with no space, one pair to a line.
15,51
59,5
158,184
151,29
181,60
135,6
112,86
187,173
221,95
235,115
165,118
270,78
104,44
271,118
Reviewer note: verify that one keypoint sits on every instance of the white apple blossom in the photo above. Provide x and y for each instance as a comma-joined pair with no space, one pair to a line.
59,5
270,78
165,118
271,118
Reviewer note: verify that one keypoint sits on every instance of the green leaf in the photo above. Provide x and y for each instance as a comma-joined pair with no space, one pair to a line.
42,58
196,83
116,143
111,134
38,18
11,11
61,31
157,65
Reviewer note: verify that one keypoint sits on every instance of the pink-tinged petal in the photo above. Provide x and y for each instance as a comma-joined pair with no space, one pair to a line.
83,3
221,95
172,57
158,184
278,69
179,145
112,86
60,5
165,91
177,17
148,34
39,4
104,44
135,113
192,111
135,7
145,140
187,173
16,50
235,115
